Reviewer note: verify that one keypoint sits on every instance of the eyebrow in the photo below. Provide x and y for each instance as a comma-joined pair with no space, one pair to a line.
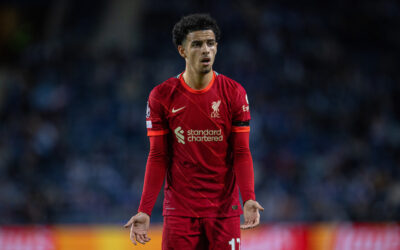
207,40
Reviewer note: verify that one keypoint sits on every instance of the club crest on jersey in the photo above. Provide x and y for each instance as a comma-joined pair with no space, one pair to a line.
215,108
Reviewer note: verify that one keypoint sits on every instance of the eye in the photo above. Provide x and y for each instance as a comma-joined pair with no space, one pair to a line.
196,44
211,43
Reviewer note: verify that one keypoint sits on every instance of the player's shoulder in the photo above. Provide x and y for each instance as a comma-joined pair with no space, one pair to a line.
165,87
228,82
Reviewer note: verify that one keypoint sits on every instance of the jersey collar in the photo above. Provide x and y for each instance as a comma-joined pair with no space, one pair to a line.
195,91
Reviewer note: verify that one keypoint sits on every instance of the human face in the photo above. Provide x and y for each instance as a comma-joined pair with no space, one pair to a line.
199,49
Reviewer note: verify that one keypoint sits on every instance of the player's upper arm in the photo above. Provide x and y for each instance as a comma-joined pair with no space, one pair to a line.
156,123
241,110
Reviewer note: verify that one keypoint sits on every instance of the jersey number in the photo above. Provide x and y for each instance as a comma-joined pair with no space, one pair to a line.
233,243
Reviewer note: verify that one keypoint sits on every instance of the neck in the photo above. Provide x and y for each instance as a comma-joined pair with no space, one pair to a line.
195,80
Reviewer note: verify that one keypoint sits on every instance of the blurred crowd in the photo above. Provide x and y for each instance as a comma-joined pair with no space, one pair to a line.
323,87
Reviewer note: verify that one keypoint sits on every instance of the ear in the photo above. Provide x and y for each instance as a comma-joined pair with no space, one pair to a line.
181,51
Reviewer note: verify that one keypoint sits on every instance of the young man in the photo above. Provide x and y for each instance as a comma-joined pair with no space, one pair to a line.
198,126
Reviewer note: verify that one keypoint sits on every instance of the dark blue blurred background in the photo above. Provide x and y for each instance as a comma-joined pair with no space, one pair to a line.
322,79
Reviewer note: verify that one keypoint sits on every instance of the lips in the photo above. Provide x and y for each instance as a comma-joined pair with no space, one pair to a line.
205,61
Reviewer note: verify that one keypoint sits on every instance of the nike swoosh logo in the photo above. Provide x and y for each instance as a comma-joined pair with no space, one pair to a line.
176,110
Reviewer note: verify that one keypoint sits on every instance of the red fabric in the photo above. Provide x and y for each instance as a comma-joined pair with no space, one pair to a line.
243,165
200,178
240,129
157,164
201,233
155,173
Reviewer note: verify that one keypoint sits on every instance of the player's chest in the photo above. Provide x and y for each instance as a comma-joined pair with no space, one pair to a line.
199,110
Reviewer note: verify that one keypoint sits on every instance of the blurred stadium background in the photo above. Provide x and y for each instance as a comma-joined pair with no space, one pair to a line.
324,88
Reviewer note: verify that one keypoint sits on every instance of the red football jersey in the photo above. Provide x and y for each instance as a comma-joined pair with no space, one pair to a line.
200,181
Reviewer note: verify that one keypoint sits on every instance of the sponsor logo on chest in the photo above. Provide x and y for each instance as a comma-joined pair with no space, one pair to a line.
198,135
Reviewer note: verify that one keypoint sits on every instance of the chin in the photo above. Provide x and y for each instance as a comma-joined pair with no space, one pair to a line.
205,71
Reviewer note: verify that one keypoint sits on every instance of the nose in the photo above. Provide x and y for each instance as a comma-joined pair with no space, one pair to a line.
205,49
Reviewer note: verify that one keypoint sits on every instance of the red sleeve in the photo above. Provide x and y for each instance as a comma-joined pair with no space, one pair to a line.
156,123
155,173
243,165
240,105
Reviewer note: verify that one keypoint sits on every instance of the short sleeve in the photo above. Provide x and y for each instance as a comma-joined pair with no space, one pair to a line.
155,115
241,111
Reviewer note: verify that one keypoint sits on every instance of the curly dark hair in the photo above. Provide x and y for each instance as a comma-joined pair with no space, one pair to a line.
192,23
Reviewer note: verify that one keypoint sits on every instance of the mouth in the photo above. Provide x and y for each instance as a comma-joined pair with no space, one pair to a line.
205,61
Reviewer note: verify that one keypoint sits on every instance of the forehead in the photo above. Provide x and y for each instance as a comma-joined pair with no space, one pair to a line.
200,35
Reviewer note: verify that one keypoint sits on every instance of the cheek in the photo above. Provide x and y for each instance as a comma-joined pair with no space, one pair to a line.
195,56
190,56
214,53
